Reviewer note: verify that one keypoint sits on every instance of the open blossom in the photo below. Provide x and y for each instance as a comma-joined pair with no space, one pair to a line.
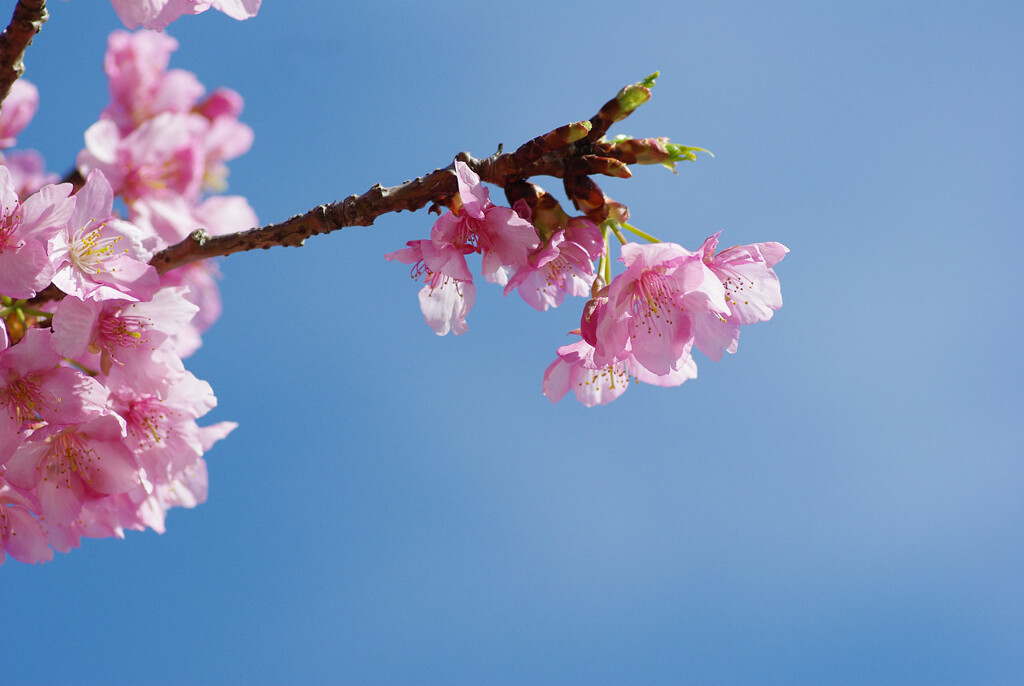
475,224
120,332
18,109
161,158
157,14
20,533
445,300
575,370
25,229
71,465
97,255
34,389
564,266
651,306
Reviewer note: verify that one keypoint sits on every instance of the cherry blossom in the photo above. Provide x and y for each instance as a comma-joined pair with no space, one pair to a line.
646,306
574,369
476,225
564,265
445,300
25,229
97,255
71,465
20,533
157,14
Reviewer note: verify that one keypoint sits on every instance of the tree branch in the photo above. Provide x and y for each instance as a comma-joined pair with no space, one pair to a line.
572,152
29,17
575,149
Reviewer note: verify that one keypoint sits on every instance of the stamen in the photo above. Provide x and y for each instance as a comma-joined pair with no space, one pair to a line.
88,250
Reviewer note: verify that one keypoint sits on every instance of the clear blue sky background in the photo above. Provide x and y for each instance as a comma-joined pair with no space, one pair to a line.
838,503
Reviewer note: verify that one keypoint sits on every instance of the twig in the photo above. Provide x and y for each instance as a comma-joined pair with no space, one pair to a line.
569,152
29,17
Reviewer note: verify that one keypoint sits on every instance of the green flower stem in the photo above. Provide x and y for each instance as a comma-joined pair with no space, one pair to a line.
646,236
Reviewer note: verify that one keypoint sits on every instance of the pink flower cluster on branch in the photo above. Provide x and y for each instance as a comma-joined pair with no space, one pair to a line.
99,418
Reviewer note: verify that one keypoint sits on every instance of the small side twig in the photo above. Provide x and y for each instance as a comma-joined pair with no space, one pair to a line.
29,17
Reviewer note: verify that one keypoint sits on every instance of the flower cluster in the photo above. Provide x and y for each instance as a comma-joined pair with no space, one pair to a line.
645,323
98,415
513,253
641,325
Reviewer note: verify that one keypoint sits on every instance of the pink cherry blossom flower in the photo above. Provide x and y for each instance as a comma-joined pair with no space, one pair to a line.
563,267
751,285
122,332
574,369
34,389
162,158
20,533
25,229
445,301
161,421
157,14
646,307
71,465
140,84
98,256
503,238
18,109
751,291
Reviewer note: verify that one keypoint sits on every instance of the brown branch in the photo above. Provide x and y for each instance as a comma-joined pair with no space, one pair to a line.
569,152
29,17
437,187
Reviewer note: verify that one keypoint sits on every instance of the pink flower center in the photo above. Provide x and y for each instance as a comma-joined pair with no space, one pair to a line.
88,249
67,454
21,397
653,299
467,237
9,222
149,422
123,331
734,285
605,378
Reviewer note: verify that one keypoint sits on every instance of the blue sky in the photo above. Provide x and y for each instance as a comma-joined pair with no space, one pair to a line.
837,503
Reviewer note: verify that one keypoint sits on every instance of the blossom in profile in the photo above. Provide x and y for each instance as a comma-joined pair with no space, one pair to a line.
25,229
17,111
157,14
20,533
594,384
444,300
751,285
